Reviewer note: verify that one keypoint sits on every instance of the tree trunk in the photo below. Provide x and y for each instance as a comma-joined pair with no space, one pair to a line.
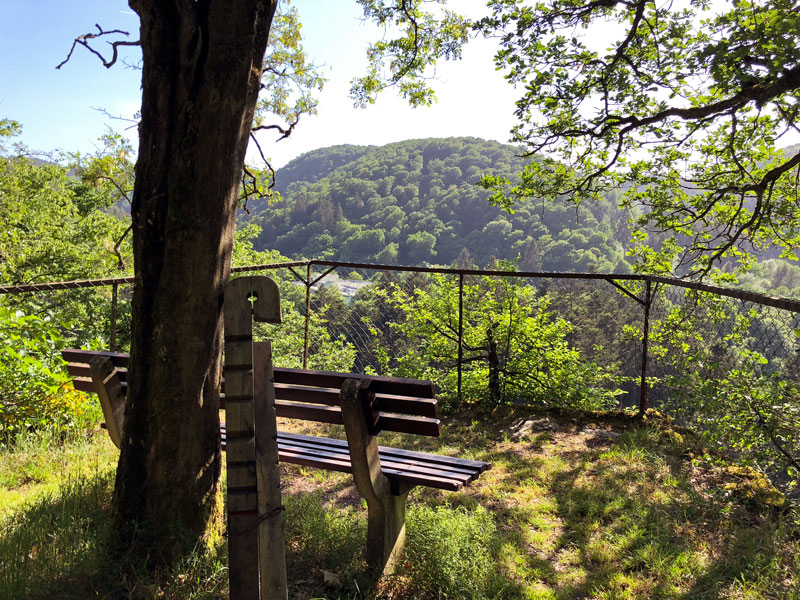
201,74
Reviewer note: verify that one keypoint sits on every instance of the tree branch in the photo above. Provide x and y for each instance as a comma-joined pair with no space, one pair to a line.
284,131
120,260
84,39
770,431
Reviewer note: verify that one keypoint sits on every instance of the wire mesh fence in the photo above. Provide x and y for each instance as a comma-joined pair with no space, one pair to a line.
722,360
364,310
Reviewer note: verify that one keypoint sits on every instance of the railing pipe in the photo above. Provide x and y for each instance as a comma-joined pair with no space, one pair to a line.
774,301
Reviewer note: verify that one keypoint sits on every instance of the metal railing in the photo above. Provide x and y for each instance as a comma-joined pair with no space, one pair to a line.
651,296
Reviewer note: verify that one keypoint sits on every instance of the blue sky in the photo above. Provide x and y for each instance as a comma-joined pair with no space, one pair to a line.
57,108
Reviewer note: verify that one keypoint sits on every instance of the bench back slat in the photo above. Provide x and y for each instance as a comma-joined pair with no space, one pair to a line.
407,424
403,405
120,359
308,412
378,385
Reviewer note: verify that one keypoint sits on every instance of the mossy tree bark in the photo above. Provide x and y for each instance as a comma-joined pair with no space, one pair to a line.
202,62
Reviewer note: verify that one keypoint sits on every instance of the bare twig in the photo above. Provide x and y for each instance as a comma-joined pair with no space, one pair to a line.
250,179
84,39
284,131
771,434
120,260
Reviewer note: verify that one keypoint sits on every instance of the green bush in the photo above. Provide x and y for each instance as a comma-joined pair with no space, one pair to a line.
34,391
515,349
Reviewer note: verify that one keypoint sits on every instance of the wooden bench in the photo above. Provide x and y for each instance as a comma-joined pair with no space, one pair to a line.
365,405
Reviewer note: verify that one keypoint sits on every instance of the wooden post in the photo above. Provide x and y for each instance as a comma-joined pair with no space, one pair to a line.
246,299
386,501
271,546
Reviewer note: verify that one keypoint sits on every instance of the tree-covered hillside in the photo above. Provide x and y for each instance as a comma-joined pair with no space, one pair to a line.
417,201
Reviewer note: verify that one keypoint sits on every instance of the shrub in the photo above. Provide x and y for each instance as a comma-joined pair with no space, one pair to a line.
34,391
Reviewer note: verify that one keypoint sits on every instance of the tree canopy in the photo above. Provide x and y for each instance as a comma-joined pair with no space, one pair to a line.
416,202
688,109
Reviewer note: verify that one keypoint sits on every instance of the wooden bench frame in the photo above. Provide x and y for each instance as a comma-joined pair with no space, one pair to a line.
365,405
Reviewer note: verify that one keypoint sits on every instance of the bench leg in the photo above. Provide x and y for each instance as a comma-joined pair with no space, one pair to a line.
112,398
386,530
386,500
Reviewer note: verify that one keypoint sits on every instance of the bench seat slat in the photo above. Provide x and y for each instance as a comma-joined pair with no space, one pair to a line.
434,482
431,470
387,462
441,461
311,460
343,465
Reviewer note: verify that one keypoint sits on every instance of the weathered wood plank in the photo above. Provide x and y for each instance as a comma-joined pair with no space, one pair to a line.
271,543
242,493
380,384
309,412
386,504
407,405
409,424
112,397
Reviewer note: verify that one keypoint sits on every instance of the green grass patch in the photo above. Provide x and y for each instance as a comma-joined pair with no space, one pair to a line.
576,506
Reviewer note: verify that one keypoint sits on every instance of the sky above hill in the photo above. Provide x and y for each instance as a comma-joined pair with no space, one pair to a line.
69,108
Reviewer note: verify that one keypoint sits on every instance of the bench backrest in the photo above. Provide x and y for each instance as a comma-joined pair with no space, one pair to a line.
398,404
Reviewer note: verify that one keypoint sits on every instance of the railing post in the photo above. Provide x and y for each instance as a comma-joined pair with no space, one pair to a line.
460,332
308,316
648,299
112,341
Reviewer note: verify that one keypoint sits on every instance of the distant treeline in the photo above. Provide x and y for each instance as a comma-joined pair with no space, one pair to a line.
417,202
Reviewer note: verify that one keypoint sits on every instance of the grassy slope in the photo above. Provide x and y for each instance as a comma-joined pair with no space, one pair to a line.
574,507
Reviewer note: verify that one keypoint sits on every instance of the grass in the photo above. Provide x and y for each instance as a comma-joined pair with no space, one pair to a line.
35,465
575,506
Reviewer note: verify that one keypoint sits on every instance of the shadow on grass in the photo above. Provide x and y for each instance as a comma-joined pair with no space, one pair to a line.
622,519
55,546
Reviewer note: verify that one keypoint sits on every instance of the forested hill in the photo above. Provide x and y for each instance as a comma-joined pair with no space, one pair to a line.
416,202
